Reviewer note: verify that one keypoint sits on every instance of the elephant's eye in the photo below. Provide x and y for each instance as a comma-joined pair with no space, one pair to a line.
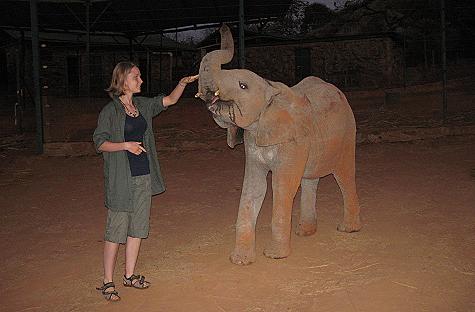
242,85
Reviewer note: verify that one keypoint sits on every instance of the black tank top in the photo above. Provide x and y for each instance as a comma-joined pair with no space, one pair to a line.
134,131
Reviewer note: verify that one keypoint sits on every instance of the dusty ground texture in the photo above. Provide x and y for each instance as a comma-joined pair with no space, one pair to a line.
414,253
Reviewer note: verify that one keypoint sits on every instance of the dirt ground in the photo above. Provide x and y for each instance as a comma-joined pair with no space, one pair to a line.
414,253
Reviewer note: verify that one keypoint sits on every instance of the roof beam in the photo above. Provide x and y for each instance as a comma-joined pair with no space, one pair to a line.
75,16
100,15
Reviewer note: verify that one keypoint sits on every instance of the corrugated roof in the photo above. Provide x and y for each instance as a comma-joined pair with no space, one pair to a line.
134,17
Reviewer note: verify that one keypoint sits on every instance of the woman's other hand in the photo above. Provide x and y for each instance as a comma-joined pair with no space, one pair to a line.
134,147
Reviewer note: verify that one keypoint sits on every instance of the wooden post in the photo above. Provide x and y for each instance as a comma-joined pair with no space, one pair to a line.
242,56
444,61
36,75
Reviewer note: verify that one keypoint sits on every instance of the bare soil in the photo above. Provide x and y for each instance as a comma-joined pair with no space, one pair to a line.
414,253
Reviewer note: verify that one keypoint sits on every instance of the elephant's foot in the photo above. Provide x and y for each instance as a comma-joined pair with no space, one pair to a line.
349,227
306,229
242,258
275,251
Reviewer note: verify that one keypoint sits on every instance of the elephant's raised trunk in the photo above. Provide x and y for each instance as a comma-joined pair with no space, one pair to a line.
211,64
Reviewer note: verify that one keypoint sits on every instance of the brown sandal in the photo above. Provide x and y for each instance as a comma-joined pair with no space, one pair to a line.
136,281
109,295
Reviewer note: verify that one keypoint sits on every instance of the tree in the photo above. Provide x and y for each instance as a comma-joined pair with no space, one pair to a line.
290,24
418,21
315,16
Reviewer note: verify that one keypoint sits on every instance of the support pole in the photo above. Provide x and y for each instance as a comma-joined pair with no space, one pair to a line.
18,110
36,75
131,49
404,63
176,61
23,66
444,61
242,56
149,72
160,64
88,51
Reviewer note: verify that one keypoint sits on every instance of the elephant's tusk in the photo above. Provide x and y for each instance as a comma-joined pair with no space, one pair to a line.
216,93
197,95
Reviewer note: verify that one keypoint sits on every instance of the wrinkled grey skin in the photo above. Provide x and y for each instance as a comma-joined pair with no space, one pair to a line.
299,134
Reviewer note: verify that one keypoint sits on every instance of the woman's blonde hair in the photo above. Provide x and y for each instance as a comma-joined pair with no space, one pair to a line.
119,74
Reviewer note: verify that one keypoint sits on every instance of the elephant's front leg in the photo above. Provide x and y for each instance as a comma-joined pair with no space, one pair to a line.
284,185
253,193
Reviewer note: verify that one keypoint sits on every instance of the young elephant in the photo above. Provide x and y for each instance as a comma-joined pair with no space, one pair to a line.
299,134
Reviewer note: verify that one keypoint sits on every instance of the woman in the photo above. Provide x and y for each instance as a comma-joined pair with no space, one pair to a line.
124,136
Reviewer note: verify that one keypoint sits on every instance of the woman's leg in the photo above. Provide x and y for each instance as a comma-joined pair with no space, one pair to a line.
110,256
139,221
132,248
138,229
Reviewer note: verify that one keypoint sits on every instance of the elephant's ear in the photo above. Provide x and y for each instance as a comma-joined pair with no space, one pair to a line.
284,120
235,136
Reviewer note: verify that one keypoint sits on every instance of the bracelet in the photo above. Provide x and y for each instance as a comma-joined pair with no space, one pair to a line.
182,84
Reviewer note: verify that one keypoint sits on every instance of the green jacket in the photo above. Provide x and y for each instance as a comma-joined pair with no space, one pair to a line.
117,176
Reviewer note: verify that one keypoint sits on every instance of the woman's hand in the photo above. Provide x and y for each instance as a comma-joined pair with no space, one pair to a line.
186,80
173,97
134,147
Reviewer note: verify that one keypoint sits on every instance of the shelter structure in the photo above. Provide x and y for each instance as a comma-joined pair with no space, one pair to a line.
70,46
134,29
65,65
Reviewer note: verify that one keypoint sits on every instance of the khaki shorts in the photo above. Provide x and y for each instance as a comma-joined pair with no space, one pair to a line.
121,224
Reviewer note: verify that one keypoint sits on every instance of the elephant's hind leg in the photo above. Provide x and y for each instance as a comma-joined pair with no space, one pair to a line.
284,186
345,177
308,214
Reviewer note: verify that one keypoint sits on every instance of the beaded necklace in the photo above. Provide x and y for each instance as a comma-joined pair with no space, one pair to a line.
132,113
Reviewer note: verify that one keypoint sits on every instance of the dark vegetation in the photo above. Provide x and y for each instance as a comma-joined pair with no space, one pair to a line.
417,23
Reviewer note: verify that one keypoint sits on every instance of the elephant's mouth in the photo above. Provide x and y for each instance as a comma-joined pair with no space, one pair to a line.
225,109
213,100
218,107
210,99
